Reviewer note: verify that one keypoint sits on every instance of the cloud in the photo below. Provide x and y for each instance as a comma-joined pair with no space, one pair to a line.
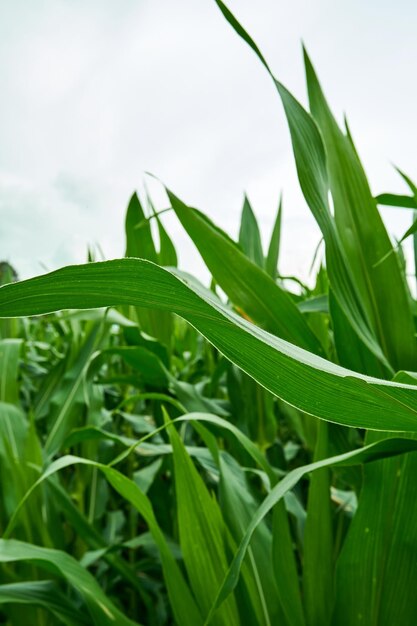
94,95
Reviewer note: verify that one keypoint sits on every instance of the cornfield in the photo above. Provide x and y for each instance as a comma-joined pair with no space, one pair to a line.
242,454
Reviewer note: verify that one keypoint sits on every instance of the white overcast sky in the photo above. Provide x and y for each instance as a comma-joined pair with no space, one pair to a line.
96,92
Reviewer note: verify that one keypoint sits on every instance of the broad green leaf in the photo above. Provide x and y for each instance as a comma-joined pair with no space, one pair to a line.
139,241
150,369
376,572
302,379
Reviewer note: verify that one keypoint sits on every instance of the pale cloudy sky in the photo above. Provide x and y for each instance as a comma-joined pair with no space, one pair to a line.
96,92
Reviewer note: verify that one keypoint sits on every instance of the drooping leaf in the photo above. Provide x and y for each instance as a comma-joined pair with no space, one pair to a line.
302,379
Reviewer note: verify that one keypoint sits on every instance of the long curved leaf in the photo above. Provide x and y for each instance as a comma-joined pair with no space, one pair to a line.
302,379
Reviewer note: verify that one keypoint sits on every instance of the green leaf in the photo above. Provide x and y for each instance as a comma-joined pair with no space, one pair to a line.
45,594
91,536
318,540
379,285
167,254
66,403
351,351
285,567
202,535
302,379
182,601
396,200
249,235
151,370
9,366
413,228
271,261
19,455
310,158
238,507
376,574
373,452
139,243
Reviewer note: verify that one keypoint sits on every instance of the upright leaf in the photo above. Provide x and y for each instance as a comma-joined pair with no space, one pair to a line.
379,285
247,285
202,535
250,236
140,244
310,158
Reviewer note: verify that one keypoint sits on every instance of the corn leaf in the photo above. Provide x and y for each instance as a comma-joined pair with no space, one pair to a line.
302,379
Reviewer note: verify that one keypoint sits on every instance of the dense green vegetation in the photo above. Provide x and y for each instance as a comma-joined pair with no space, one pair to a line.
239,455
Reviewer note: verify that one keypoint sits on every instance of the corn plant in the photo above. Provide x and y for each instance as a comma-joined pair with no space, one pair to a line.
243,454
